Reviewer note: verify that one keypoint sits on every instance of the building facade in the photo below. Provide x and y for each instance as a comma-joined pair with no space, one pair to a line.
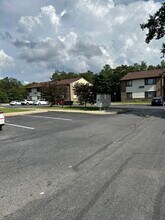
143,85
34,91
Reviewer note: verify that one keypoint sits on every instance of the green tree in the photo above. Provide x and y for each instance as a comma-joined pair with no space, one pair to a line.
3,96
115,78
102,81
156,26
51,91
85,93
89,76
12,88
60,75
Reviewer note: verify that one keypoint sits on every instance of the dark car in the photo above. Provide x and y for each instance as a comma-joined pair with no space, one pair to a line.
157,101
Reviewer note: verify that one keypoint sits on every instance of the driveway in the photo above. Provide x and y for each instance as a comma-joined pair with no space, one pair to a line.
73,166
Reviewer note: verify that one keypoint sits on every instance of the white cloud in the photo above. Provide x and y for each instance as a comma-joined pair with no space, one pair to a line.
5,60
40,26
79,35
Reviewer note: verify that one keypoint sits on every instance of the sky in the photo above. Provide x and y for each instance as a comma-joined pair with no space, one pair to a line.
38,37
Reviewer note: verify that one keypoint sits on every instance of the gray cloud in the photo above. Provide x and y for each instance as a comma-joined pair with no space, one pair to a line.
75,35
86,47
5,36
43,53
23,43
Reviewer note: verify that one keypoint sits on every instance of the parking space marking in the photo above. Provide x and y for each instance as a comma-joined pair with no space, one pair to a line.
20,126
36,116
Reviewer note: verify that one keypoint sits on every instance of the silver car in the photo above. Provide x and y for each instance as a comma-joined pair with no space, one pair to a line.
15,102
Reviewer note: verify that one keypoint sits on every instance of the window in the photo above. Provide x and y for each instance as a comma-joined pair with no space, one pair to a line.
150,94
129,83
150,81
129,95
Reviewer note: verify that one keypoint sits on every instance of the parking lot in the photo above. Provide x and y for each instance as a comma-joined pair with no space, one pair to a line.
57,165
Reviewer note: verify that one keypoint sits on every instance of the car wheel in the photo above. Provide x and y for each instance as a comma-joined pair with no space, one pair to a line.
0,127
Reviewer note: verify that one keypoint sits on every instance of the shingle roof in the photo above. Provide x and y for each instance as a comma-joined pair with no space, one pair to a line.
143,74
67,81
36,85
61,82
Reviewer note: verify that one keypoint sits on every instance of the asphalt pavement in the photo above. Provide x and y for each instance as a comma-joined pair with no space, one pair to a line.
64,165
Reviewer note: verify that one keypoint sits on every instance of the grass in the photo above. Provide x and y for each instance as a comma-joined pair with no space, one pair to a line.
134,102
11,110
79,108
68,108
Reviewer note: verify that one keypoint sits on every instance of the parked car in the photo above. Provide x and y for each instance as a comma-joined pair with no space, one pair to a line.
157,101
2,119
27,102
41,102
57,102
15,102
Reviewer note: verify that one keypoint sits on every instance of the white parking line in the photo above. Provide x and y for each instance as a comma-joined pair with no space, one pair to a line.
20,126
34,116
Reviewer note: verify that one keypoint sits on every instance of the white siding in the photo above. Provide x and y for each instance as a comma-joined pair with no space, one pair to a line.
34,94
139,92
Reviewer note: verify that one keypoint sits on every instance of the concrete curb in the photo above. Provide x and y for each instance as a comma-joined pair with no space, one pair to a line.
72,111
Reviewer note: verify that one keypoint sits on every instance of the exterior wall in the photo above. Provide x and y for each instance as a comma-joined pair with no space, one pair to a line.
138,93
73,97
159,89
139,88
123,91
34,95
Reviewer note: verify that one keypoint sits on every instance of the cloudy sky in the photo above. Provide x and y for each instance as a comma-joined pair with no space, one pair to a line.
38,37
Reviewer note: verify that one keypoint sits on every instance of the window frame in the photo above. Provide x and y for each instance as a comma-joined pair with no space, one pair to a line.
129,95
147,81
129,83
148,94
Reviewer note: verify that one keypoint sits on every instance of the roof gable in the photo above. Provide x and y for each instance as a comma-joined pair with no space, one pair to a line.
68,81
143,74
61,82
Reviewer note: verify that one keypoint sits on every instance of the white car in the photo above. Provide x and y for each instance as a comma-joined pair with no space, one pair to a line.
41,102
2,119
27,102
15,102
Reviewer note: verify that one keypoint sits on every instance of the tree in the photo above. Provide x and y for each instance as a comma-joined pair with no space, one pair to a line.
11,89
156,26
89,76
102,81
115,78
51,91
85,93
3,96
57,76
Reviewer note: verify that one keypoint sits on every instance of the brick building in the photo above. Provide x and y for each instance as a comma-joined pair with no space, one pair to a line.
143,84
34,91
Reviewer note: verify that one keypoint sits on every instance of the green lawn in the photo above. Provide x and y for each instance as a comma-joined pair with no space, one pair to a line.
10,110
75,108
135,102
